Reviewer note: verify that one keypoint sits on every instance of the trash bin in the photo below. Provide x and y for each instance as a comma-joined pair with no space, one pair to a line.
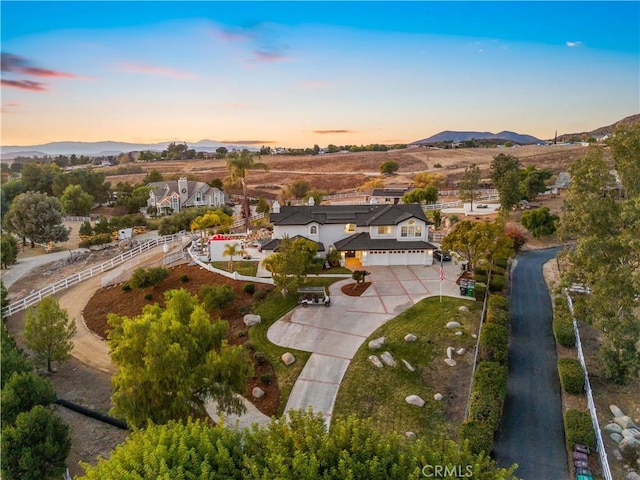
463,288
470,288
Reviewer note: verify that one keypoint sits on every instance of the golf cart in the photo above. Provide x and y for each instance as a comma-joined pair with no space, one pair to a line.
314,296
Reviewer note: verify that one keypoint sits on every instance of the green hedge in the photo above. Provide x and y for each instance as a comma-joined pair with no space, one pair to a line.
494,343
498,317
479,290
148,277
498,270
478,277
479,435
497,283
571,375
491,377
489,392
498,301
562,323
578,429
501,262
498,310
100,239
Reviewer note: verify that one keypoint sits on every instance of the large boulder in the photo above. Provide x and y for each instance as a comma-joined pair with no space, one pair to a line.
408,365
257,392
612,428
464,309
251,319
616,411
624,421
450,361
631,433
438,397
288,358
377,343
410,337
451,325
630,449
414,400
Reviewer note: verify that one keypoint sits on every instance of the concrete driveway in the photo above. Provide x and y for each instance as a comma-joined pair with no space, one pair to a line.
334,334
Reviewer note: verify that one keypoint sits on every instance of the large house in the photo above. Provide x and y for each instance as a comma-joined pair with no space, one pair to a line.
394,234
174,195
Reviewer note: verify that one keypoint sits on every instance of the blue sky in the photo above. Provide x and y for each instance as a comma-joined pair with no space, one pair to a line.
303,73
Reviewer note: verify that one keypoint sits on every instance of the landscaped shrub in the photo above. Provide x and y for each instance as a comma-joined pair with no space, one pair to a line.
497,270
563,324
497,283
86,228
184,278
480,271
148,296
479,290
480,278
101,239
489,391
578,429
493,343
126,287
497,316
501,262
249,345
498,301
249,288
265,378
260,295
260,357
571,375
478,434
148,277
217,297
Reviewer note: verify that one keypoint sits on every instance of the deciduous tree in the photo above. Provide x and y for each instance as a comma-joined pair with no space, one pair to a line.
389,167
75,201
173,360
469,186
534,181
540,221
479,241
427,195
625,148
48,331
291,262
505,176
8,250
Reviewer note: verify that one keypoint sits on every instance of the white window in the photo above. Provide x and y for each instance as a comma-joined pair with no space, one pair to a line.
199,197
411,230
313,230
384,230
350,228
175,203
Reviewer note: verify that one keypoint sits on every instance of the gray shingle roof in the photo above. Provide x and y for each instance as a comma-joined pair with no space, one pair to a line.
363,241
274,244
361,215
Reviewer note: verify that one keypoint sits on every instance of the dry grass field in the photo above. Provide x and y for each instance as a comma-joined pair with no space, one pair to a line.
345,172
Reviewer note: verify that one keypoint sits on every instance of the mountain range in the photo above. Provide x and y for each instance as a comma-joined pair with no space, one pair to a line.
451,136
98,149
115,148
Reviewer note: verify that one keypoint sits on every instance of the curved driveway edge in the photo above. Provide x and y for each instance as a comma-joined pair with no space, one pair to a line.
532,432
335,334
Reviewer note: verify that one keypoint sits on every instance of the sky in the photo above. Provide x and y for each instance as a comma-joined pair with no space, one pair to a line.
296,74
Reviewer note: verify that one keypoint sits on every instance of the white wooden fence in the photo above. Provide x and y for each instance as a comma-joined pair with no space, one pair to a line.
233,275
602,453
65,283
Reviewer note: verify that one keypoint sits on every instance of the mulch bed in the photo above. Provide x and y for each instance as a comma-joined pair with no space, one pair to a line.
355,289
115,300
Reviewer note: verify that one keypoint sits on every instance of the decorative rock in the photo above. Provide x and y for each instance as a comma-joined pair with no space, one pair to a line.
624,422
388,359
617,455
251,319
473,335
410,435
288,358
629,447
458,333
630,433
414,400
409,366
377,343
616,411
612,428
462,308
450,362
376,361
438,397
449,352
616,437
460,351
451,325
632,475
410,337
257,392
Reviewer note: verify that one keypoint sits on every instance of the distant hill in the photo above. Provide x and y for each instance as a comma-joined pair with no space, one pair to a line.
95,149
451,136
630,120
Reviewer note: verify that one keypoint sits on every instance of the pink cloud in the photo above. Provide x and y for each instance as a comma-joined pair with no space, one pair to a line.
17,64
231,36
325,132
24,85
264,56
154,70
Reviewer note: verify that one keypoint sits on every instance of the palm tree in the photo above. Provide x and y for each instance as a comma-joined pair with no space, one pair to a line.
239,166
231,250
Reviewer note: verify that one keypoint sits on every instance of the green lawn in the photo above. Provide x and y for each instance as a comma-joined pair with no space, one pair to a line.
247,268
273,307
379,393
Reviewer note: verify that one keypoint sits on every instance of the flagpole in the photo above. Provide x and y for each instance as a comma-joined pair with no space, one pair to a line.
441,273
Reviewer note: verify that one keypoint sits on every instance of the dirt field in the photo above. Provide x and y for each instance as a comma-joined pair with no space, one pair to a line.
342,172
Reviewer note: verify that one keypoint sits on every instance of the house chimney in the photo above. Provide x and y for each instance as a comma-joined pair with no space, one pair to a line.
311,201
183,191
275,208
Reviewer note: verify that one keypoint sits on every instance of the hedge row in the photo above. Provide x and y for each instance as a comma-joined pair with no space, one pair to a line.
578,429
498,310
571,375
479,290
563,324
494,341
497,283
100,239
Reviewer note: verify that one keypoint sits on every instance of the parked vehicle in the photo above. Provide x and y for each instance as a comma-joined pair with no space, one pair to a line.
314,296
442,256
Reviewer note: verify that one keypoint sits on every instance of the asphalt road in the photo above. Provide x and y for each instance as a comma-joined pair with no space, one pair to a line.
531,433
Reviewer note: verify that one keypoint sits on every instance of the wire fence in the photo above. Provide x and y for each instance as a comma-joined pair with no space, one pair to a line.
602,453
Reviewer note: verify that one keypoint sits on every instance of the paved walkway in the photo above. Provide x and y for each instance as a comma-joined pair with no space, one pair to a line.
335,334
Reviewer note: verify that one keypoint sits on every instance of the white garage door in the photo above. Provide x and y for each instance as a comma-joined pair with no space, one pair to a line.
396,257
